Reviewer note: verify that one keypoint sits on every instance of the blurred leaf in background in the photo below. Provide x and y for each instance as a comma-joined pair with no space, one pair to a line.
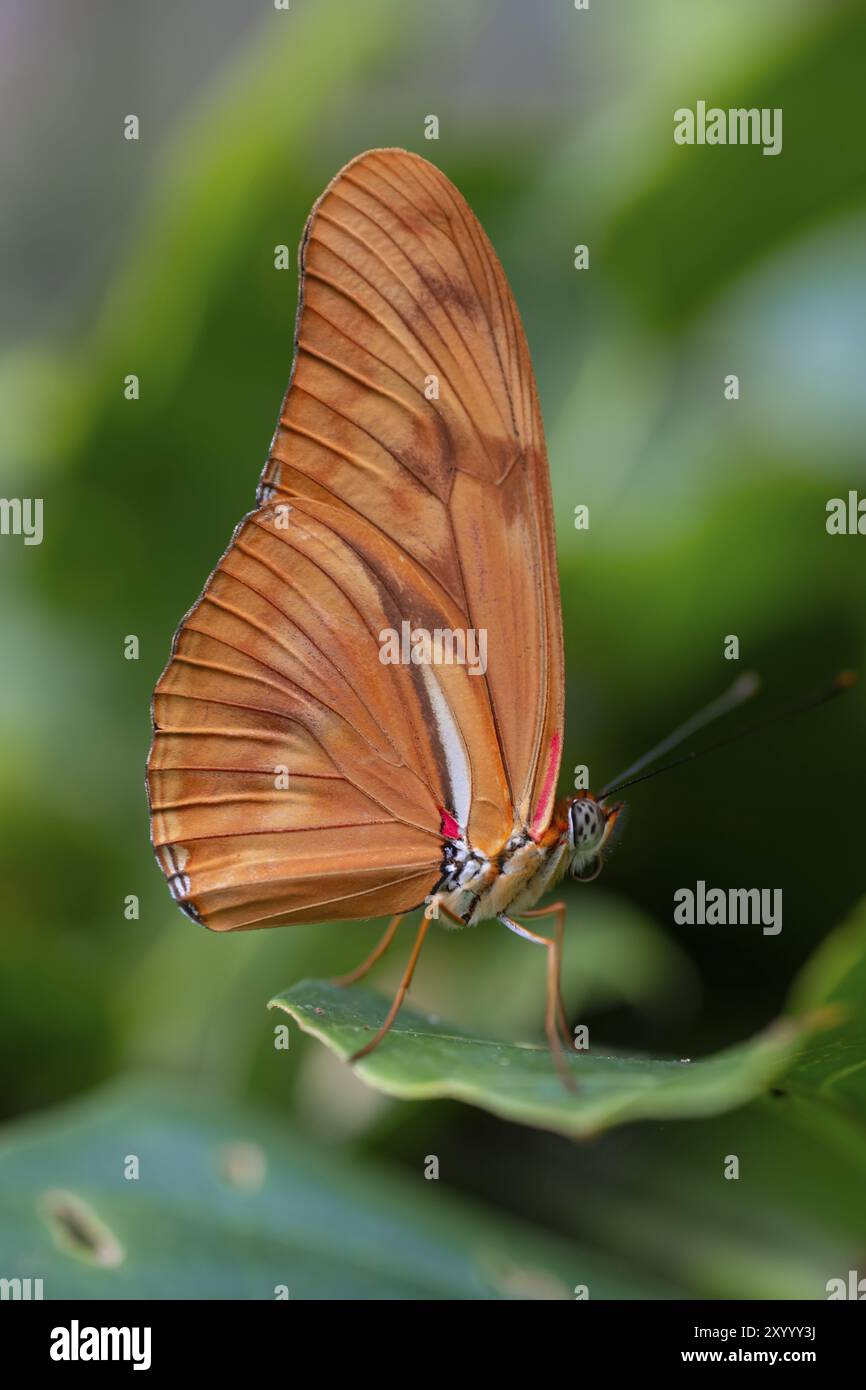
144,1194
224,1206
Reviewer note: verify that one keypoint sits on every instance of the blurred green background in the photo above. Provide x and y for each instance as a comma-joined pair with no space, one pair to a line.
156,257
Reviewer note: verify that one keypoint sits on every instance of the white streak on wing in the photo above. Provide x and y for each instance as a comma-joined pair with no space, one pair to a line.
178,882
453,747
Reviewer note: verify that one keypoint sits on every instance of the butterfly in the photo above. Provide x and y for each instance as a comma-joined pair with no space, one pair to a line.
362,714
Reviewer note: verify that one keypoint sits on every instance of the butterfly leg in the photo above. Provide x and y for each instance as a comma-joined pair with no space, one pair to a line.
557,911
360,970
554,1012
399,996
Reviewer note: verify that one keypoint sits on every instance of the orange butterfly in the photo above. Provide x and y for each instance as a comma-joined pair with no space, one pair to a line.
316,754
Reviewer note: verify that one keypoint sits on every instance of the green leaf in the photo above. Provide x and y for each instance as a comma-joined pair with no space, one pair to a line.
227,1205
661,1199
825,1088
423,1057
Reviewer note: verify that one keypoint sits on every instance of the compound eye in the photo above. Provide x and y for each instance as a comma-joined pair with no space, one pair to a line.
589,822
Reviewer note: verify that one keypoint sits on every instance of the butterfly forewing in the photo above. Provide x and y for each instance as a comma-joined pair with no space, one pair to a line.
294,775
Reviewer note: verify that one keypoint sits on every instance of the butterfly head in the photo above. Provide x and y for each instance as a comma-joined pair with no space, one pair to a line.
589,827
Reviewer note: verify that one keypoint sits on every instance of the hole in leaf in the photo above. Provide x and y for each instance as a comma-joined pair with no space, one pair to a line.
77,1230
522,1282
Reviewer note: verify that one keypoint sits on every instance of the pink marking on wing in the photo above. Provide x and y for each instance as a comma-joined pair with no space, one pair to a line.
542,811
450,828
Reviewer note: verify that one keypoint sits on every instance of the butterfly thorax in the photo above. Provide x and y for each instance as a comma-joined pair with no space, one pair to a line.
476,888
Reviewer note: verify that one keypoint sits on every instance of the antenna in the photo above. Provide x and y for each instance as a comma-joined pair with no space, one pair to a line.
739,692
742,689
